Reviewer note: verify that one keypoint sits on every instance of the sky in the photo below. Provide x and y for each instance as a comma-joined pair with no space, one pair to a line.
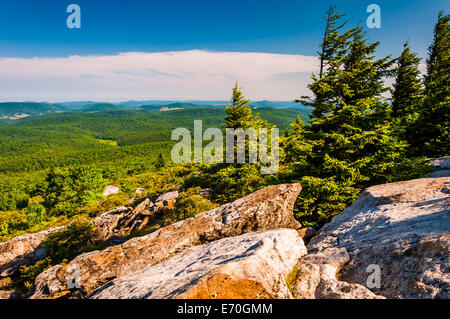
184,49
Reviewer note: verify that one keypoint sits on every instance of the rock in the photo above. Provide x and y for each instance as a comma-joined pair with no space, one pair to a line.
139,190
167,200
439,173
265,209
117,223
206,193
307,233
167,196
5,282
441,163
21,251
109,190
316,277
109,224
441,167
5,294
250,266
404,228
122,221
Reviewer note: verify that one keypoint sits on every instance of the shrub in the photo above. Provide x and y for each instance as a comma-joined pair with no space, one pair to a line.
36,212
64,245
188,204
70,189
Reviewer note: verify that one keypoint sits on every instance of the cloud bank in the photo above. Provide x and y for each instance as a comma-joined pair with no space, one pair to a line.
195,74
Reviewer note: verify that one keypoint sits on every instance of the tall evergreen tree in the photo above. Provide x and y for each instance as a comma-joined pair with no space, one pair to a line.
332,50
407,92
240,114
235,180
433,126
332,39
352,145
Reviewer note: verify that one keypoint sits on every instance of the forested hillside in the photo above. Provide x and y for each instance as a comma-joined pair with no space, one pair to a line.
119,144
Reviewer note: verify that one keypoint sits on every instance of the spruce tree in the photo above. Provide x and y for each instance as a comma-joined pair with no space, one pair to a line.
240,114
433,126
160,162
352,144
235,180
295,145
332,50
407,92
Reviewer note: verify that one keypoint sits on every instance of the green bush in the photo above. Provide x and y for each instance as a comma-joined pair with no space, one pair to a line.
64,245
68,190
36,212
189,203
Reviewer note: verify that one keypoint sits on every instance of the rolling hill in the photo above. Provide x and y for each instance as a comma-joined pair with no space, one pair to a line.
16,110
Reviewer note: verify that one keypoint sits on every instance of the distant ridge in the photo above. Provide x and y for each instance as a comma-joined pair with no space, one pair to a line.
17,110
13,110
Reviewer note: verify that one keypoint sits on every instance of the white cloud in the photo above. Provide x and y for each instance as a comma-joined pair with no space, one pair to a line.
192,74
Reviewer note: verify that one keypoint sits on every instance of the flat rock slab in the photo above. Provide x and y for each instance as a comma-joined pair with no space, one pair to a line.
249,266
268,208
404,228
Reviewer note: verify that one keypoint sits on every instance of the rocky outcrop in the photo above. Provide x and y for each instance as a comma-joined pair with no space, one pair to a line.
22,250
441,163
122,221
266,209
404,229
250,266
117,223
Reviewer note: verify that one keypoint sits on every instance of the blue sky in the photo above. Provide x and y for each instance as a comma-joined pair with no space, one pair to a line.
37,29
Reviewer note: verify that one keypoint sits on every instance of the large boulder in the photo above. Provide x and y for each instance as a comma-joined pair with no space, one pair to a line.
265,209
441,163
402,229
22,250
250,266
169,196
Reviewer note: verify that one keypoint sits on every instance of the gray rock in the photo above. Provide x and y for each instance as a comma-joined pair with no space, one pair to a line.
167,196
404,228
253,265
117,223
316,277
440,173
441,163
22,250
109,190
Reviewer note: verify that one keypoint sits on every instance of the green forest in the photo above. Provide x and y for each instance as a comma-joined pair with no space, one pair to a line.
359,132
